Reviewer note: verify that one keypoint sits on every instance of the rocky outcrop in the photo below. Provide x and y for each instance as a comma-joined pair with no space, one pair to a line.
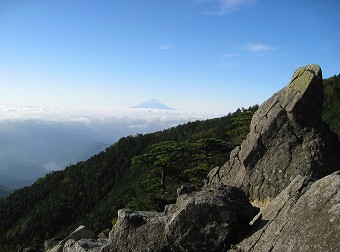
199,221
286,139
207,219
301,218
138,231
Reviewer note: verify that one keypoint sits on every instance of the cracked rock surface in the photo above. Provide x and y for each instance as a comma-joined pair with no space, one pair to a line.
205,220
208,219
303,217
138,231
287,138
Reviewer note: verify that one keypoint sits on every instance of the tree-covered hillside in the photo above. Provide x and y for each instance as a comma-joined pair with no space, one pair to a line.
331,106
127,174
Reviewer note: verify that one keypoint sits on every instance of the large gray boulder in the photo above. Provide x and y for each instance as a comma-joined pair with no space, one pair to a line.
138,231
287,138
303,217
203,220
206,220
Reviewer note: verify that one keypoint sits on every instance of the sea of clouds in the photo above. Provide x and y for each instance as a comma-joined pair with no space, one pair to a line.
35,140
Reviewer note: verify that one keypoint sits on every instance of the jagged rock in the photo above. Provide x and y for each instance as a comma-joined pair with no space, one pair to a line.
287,138
84,245
303,217
138,231
81,232
199,221
205,220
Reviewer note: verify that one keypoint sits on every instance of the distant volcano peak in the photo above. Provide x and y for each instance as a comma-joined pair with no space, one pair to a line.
152,103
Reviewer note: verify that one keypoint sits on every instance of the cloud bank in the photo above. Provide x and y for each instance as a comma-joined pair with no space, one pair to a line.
258,47
229,6
131,120
165,47
224,7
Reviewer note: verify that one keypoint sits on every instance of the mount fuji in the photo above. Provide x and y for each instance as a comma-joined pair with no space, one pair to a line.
152,103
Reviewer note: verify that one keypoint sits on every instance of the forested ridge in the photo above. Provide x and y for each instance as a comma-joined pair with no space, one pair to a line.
331,105
137,172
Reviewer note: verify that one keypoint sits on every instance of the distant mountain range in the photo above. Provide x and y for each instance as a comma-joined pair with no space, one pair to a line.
80,154
31,149
152,103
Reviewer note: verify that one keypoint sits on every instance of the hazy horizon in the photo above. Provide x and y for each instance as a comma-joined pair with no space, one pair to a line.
35,140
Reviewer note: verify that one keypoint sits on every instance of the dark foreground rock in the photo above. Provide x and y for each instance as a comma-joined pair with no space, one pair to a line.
208,219
199,221
301,218
138,231
287,138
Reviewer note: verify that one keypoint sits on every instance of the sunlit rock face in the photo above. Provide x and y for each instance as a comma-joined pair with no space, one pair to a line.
287,138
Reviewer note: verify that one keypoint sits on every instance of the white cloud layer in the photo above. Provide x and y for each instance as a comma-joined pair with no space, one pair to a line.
228,6
224,7
141,120
166,47
258,47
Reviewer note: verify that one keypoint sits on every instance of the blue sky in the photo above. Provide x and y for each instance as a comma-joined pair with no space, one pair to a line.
194,55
